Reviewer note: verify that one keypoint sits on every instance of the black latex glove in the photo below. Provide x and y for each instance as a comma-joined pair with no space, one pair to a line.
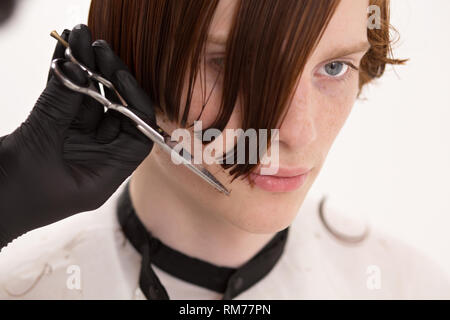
70,156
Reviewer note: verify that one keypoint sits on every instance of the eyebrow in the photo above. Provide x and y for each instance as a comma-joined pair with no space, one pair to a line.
342,52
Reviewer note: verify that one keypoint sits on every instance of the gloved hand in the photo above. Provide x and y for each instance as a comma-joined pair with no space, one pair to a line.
70,156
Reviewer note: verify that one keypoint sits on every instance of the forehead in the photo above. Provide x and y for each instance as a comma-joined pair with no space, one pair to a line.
348,24
223,17
349,20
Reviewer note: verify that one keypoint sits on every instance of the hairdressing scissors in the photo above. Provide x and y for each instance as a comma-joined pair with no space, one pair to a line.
157,135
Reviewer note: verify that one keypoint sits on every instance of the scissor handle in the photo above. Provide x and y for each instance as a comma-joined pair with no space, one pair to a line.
157,135
88,90
69,55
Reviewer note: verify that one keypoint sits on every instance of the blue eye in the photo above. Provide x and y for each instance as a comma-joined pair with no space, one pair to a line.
334,69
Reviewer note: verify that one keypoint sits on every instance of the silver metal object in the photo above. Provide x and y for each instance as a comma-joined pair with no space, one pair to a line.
157,135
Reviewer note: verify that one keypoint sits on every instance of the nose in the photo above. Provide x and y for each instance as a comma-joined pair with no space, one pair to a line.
298,128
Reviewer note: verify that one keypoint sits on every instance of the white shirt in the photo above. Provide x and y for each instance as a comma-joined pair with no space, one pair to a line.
87,256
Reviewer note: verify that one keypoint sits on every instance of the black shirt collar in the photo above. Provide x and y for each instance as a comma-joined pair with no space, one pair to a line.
229,281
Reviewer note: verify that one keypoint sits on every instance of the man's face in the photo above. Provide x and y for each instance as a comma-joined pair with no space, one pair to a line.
323,100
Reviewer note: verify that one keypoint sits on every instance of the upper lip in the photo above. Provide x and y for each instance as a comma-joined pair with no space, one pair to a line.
288,172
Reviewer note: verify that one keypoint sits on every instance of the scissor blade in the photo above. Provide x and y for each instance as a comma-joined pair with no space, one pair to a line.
207,176
186,158
164,141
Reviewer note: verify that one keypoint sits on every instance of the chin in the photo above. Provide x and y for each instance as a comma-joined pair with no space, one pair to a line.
265,219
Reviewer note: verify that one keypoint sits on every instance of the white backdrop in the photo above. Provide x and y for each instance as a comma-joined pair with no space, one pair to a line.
391,163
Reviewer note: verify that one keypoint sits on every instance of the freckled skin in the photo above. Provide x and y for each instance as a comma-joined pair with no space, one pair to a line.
315,117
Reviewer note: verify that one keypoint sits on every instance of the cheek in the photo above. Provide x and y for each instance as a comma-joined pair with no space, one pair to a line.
205,99
344,88
205,107
333,112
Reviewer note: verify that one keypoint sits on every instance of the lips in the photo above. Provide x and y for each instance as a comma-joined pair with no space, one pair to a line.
288,172
285,180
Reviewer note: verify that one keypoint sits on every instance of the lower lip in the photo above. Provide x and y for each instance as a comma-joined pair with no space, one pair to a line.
278,184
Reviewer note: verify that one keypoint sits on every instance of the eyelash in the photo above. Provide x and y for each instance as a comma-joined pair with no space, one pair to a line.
215,65
343,77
